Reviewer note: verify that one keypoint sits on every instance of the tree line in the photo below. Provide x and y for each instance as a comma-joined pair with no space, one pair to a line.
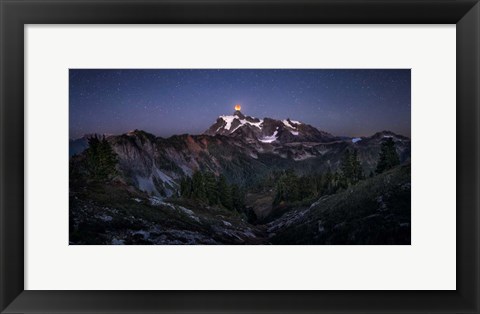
215,190
100,165
290,187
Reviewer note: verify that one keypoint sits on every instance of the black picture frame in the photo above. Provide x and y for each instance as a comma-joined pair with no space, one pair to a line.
16,13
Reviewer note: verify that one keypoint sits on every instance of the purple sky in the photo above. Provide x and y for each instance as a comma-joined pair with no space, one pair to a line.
167,102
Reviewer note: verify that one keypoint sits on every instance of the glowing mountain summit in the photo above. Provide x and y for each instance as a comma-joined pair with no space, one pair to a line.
266,130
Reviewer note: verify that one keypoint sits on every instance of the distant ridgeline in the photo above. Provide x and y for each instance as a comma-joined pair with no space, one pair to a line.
244,150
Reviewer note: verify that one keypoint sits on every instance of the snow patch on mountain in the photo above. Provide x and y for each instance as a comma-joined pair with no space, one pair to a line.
287,123
241,124
269,139
257,124
356,139
229,120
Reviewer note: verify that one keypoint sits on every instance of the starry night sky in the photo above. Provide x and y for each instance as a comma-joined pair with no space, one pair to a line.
167,102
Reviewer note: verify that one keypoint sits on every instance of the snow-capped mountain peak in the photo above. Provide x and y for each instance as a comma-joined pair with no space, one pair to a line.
266,130
232,123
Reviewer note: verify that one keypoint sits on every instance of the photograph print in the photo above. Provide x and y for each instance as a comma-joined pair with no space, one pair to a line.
239,156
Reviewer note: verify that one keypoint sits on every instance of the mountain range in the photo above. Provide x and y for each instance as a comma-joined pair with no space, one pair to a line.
143,205
242,148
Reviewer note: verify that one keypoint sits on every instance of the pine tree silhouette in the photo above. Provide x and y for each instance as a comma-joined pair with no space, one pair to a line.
388,156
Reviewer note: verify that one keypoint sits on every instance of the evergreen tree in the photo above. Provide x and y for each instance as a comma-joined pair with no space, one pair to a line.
204,186
346,166
336,182
238,198
186,187
100,160
280,190
290,187
388,156
307,187
328,184
224,192
351,169
357,171
293,186
211,191
198,186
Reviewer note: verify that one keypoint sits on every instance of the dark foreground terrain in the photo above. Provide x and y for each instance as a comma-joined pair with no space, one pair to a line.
375,211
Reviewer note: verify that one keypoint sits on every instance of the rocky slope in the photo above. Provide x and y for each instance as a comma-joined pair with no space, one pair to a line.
116,213
375,211
242,148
